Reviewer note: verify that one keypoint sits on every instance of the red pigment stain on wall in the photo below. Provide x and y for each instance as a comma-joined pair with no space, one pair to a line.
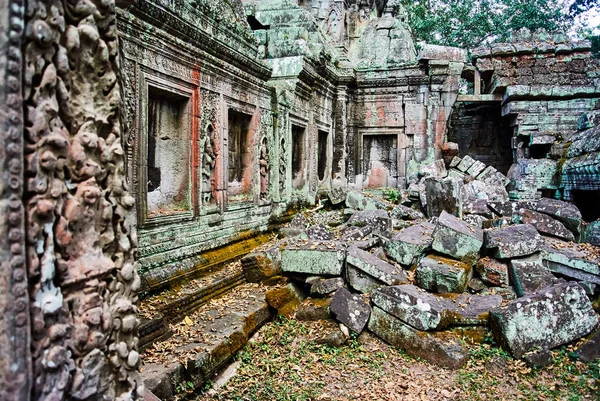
195,134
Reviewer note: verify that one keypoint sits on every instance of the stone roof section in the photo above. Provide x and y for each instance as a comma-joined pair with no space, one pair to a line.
524,41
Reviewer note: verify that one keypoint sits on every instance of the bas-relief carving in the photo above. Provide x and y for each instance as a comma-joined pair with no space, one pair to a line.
210,121
155,60
80,226
209,161
264,165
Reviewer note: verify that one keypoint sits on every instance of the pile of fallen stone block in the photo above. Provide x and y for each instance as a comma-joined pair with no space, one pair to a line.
426,285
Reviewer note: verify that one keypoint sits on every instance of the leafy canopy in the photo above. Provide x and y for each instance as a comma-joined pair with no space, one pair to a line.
472,23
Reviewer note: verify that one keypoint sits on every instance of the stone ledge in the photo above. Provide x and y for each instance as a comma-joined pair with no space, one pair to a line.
205,341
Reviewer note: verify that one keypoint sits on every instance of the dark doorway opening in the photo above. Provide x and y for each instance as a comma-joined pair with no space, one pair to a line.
482,133
587,202
323,152
539,151
298,156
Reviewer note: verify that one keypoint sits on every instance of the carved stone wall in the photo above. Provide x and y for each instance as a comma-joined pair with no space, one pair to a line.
296,76
546,82
207,56
69,279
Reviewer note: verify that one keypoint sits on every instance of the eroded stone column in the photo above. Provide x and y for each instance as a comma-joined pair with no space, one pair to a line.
66,213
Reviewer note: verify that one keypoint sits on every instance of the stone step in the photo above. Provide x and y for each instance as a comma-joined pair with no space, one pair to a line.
172,305
204,341
159,277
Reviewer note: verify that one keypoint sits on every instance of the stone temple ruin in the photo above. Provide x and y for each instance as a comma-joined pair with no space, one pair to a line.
147,146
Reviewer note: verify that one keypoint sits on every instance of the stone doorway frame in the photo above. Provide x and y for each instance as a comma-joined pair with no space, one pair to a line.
150,78
403,143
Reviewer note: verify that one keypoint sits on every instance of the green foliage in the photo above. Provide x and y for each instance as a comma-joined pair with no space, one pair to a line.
472,23
595,45
579,7
392,195
185,387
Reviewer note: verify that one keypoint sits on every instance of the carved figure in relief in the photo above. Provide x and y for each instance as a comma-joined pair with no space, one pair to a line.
364,9
282,165
264,169
333,23
208,166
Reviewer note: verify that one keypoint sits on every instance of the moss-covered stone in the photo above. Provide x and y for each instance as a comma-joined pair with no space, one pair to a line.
314,258
439,274
439,349
408,246
514,241
555,316
457,239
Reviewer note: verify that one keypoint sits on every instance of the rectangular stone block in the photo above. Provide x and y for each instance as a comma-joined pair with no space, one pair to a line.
565,212
260,265
556,316
492,271
476,168
425,311
465,163
545,224
435,348
314,258
375,267
350,310
438,274
529,275
409,245
579,257
455,238
514,241
378,220
443,195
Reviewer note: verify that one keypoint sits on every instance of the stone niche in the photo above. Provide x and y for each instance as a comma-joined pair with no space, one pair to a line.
298,156
240,158
168,145
380,161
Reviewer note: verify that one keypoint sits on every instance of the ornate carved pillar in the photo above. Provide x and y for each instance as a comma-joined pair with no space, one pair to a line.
15,357
68,282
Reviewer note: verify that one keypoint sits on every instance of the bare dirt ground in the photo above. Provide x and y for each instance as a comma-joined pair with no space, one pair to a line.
282,362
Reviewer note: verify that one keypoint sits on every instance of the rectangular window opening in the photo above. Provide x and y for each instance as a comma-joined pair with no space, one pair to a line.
167,153
587,202
240,156
298,156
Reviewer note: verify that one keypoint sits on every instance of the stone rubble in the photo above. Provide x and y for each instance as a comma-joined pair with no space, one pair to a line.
408,246
441,275
513,242
522,279
457,239
425,280
554,316
350,310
